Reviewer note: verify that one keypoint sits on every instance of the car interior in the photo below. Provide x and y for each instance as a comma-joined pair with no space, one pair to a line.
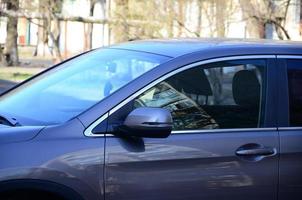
245,93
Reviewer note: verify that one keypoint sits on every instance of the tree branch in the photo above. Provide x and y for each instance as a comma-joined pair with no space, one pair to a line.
60,17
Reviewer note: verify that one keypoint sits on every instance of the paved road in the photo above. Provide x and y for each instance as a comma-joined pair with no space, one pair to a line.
4,85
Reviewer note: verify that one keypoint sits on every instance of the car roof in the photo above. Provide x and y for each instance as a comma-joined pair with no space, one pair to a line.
181,46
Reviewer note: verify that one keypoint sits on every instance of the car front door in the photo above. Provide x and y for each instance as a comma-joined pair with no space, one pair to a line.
290,127
224,143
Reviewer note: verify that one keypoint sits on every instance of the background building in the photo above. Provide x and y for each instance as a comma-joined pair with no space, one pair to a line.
61,28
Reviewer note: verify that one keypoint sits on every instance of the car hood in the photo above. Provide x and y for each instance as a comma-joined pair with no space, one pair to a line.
10,134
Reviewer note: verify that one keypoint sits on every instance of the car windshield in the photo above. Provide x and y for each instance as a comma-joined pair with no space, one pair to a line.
74,86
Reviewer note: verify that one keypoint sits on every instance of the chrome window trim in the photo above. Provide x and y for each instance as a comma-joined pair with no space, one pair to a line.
289,56
290,128
88,131
224,130
211,131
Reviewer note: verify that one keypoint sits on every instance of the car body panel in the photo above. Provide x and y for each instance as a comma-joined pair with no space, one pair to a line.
290,164
18,134
181,46
60,154
190,166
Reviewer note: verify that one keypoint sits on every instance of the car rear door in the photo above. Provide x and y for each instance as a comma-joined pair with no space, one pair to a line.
290,126
224,143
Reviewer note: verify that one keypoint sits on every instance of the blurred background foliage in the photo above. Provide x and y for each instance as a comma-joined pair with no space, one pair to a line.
34,34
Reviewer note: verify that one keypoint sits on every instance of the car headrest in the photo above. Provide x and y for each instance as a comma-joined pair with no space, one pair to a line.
246,88
193,81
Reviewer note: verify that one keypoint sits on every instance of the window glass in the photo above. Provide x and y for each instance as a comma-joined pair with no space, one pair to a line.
295,91
215,96
71,88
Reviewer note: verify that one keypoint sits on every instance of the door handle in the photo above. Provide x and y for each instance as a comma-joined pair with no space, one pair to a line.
255,152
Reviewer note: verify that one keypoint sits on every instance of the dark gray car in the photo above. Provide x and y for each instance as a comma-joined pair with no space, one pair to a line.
159,119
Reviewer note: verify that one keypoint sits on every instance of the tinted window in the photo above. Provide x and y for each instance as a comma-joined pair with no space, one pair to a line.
295,91
220,95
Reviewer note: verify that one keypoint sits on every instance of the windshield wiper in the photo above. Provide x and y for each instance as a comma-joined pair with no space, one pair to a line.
10,121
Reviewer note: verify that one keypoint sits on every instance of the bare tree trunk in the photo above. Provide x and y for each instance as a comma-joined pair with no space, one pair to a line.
52,27
280,23
42,43
104,16
181,16
255,27
121,29
171,17
220,18
11,56
199,20
88,34
55,36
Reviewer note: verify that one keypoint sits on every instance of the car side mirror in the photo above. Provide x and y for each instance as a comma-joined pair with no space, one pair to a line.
147,122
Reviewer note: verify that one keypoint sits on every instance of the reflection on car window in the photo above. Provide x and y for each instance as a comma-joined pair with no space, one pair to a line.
166,96
220,95
74,86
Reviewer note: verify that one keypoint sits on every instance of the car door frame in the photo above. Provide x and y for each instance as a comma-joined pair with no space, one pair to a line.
97,111
282,100
270,104
271,93
270,120
288,136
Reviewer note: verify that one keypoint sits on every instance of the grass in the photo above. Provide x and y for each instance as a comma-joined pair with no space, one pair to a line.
18,74
29,65
15,77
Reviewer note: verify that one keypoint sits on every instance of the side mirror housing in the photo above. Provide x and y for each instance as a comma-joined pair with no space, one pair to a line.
148,122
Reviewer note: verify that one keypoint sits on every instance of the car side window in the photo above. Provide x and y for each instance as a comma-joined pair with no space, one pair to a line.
294,74
222,95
